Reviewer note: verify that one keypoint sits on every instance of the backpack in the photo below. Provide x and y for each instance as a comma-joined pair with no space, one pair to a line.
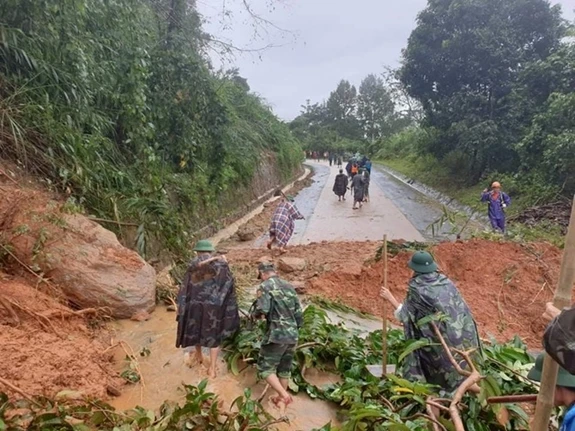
559,339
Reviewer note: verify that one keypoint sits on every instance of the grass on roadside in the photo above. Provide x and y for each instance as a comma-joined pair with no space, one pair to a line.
432,174
435,176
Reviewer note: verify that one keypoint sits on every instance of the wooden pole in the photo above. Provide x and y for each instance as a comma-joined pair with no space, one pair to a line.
384,328
561,299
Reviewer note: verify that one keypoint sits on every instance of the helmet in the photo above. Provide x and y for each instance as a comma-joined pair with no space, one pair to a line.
265,267
204,245
422,262
559,337
564,378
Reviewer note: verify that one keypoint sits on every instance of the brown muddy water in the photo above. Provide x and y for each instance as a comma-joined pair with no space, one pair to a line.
164,373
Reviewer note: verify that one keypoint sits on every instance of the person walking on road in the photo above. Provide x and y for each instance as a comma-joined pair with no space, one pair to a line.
354,169
497,201
283,222
340,185
278,303
207,305
339,161
368,166
358,189
348,168
430,293
366,179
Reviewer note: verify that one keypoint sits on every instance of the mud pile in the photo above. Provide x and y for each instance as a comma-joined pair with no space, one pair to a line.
505,284
47,347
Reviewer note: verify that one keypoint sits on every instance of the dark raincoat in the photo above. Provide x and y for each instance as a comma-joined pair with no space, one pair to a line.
348,168
207,305
340,185
366,180
429,294
358,185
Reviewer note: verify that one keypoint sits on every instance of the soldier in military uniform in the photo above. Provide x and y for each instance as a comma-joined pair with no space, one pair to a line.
431,293
278,302
207,304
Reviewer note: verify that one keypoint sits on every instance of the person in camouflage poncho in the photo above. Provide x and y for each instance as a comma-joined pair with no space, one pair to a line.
430,293
207,305
278,302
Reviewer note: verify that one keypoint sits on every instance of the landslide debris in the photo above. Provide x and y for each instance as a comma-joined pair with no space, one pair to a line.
48,347
506,284
86,261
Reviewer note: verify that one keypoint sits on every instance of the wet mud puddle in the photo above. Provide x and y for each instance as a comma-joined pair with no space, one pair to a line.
164,372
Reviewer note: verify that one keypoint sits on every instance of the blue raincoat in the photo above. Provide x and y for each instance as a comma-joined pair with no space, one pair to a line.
496,208
569,420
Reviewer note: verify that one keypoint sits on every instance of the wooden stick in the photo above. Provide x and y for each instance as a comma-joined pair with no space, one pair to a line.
561,299
384,327
531,398
18,391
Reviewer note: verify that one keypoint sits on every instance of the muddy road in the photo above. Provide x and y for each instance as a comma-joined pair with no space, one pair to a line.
395,209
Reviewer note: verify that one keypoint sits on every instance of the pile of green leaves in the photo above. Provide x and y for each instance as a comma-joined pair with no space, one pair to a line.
200,412
367,402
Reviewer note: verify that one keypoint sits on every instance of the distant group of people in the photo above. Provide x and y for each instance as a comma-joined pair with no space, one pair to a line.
357,178
333,159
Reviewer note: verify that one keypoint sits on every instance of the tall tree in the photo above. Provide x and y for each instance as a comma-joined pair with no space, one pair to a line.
375,108
341,109
462,62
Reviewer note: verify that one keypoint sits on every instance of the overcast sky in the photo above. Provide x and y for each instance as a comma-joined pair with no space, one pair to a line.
328,40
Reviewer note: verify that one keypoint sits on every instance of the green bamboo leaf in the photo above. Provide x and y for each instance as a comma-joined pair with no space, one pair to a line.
413,346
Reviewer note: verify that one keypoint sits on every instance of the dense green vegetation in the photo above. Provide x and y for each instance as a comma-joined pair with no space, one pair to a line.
116,104
495,85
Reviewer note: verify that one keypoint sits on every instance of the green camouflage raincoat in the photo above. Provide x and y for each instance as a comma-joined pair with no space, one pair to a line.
430,294
278,302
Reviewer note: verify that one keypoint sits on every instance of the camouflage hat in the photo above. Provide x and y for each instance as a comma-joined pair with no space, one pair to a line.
204,245
564,378
422,262
265,267
559,339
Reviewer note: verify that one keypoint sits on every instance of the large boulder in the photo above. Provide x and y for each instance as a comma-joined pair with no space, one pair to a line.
292,264
85,260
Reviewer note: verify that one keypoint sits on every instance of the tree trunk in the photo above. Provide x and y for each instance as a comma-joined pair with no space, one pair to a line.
561,299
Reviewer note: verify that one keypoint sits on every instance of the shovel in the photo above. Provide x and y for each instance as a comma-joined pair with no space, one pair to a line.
382,370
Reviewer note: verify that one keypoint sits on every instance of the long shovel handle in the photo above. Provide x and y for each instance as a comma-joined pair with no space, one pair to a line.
384,328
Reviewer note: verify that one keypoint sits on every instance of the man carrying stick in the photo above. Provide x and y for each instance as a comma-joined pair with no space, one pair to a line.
432,293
